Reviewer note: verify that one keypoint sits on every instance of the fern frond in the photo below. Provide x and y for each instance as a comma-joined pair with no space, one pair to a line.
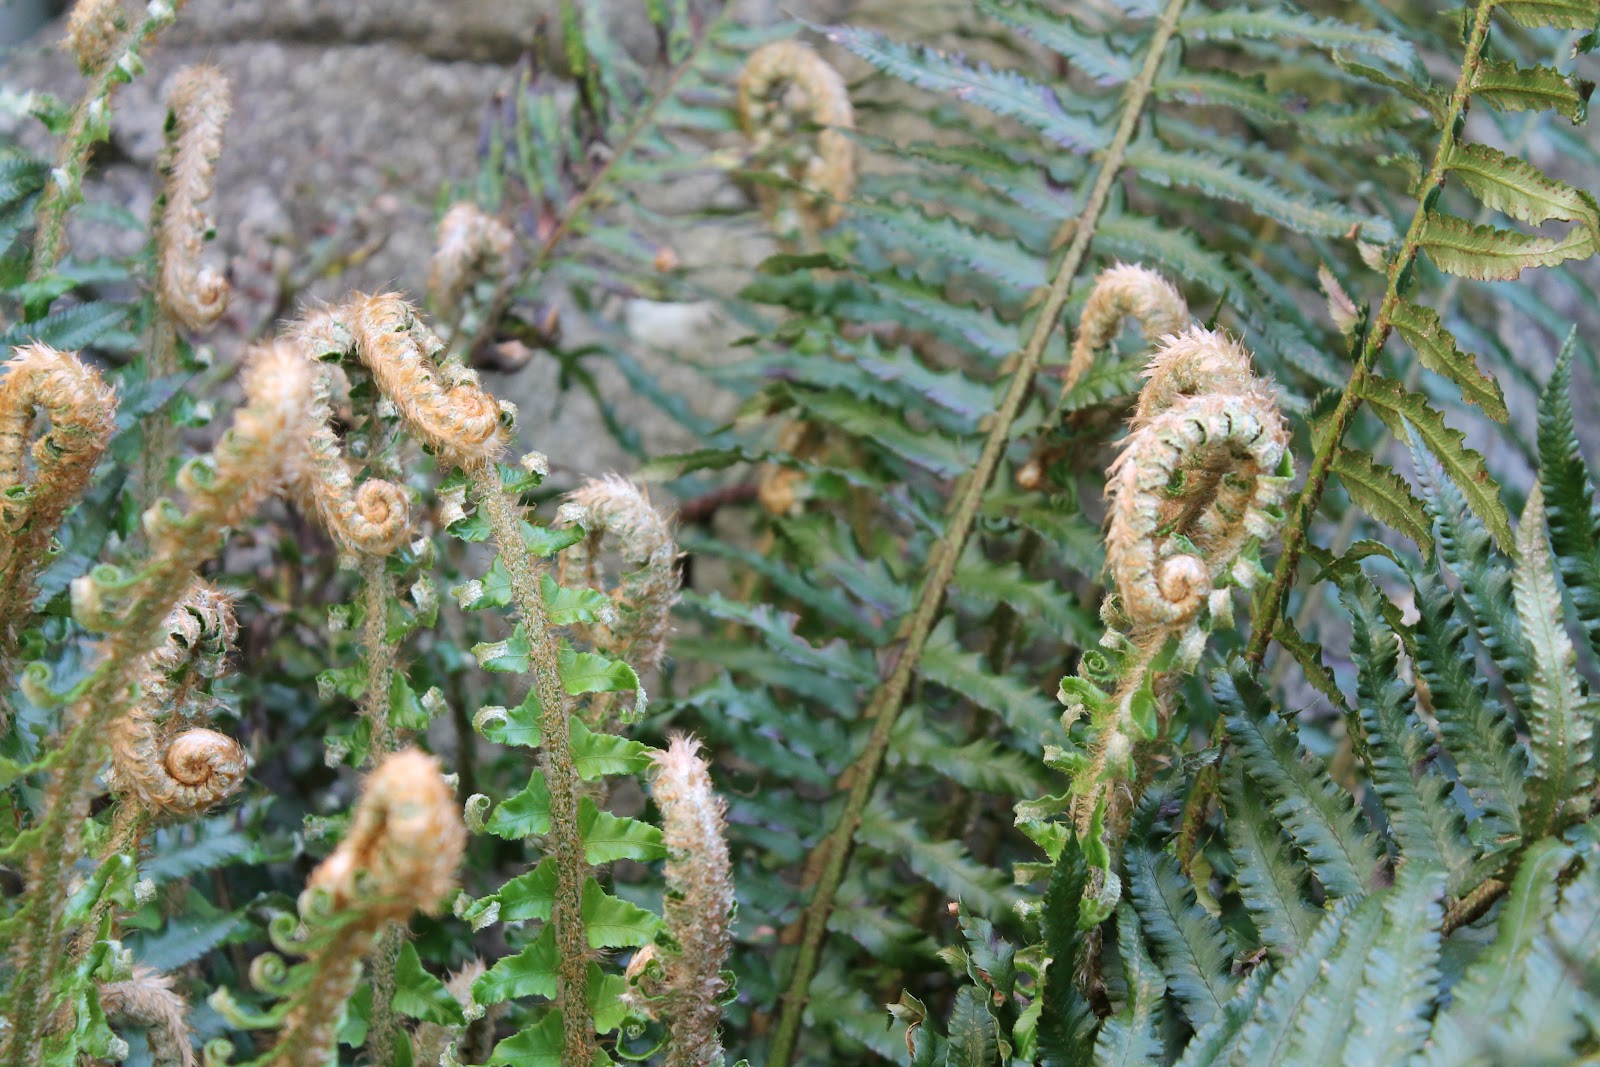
1428,827
1401,973
1269,1035
1476,731
1132,1037
1188,942
1560,711
1321,819
1486,989
1569,497
1272,880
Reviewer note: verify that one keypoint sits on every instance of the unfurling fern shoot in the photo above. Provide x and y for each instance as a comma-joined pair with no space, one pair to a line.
40,479
1199,482
405,842
699,906
616,511
785,87
223,489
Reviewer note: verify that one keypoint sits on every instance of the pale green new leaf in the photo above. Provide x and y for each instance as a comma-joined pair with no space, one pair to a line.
1397,407
1421,328
1561,712
1488,253
1384,495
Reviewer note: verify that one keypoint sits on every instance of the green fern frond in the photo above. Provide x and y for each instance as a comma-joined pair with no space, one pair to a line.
1477,733
1402,971
1320,818
1384,495
1569,497
1272,880
1428,827
1132,1037
1187,941
1560,711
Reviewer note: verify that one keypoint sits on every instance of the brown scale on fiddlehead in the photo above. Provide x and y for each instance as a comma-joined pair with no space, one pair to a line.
616,511
783,87
198,106
93,29
372,518
1121,292
158,757
470,241
400,856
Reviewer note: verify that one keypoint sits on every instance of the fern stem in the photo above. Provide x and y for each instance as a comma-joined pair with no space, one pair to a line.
1271,604
375,592
561,775
884,708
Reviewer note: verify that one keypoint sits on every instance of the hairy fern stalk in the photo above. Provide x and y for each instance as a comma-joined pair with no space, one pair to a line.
352,729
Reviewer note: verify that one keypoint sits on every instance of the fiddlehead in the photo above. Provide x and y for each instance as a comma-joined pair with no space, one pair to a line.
157,757
148,1000
470,241
616,511
93,28
698,907
443,405
1200,480
784,87
400,856
198,107
1120,292
223,489
81,408
372,518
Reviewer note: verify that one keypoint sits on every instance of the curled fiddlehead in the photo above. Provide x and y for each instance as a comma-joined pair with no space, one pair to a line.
470,241
616,511
372,518
1120,292
784,87
443,404
400,856
158,757
191,293
1199,483
147,999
